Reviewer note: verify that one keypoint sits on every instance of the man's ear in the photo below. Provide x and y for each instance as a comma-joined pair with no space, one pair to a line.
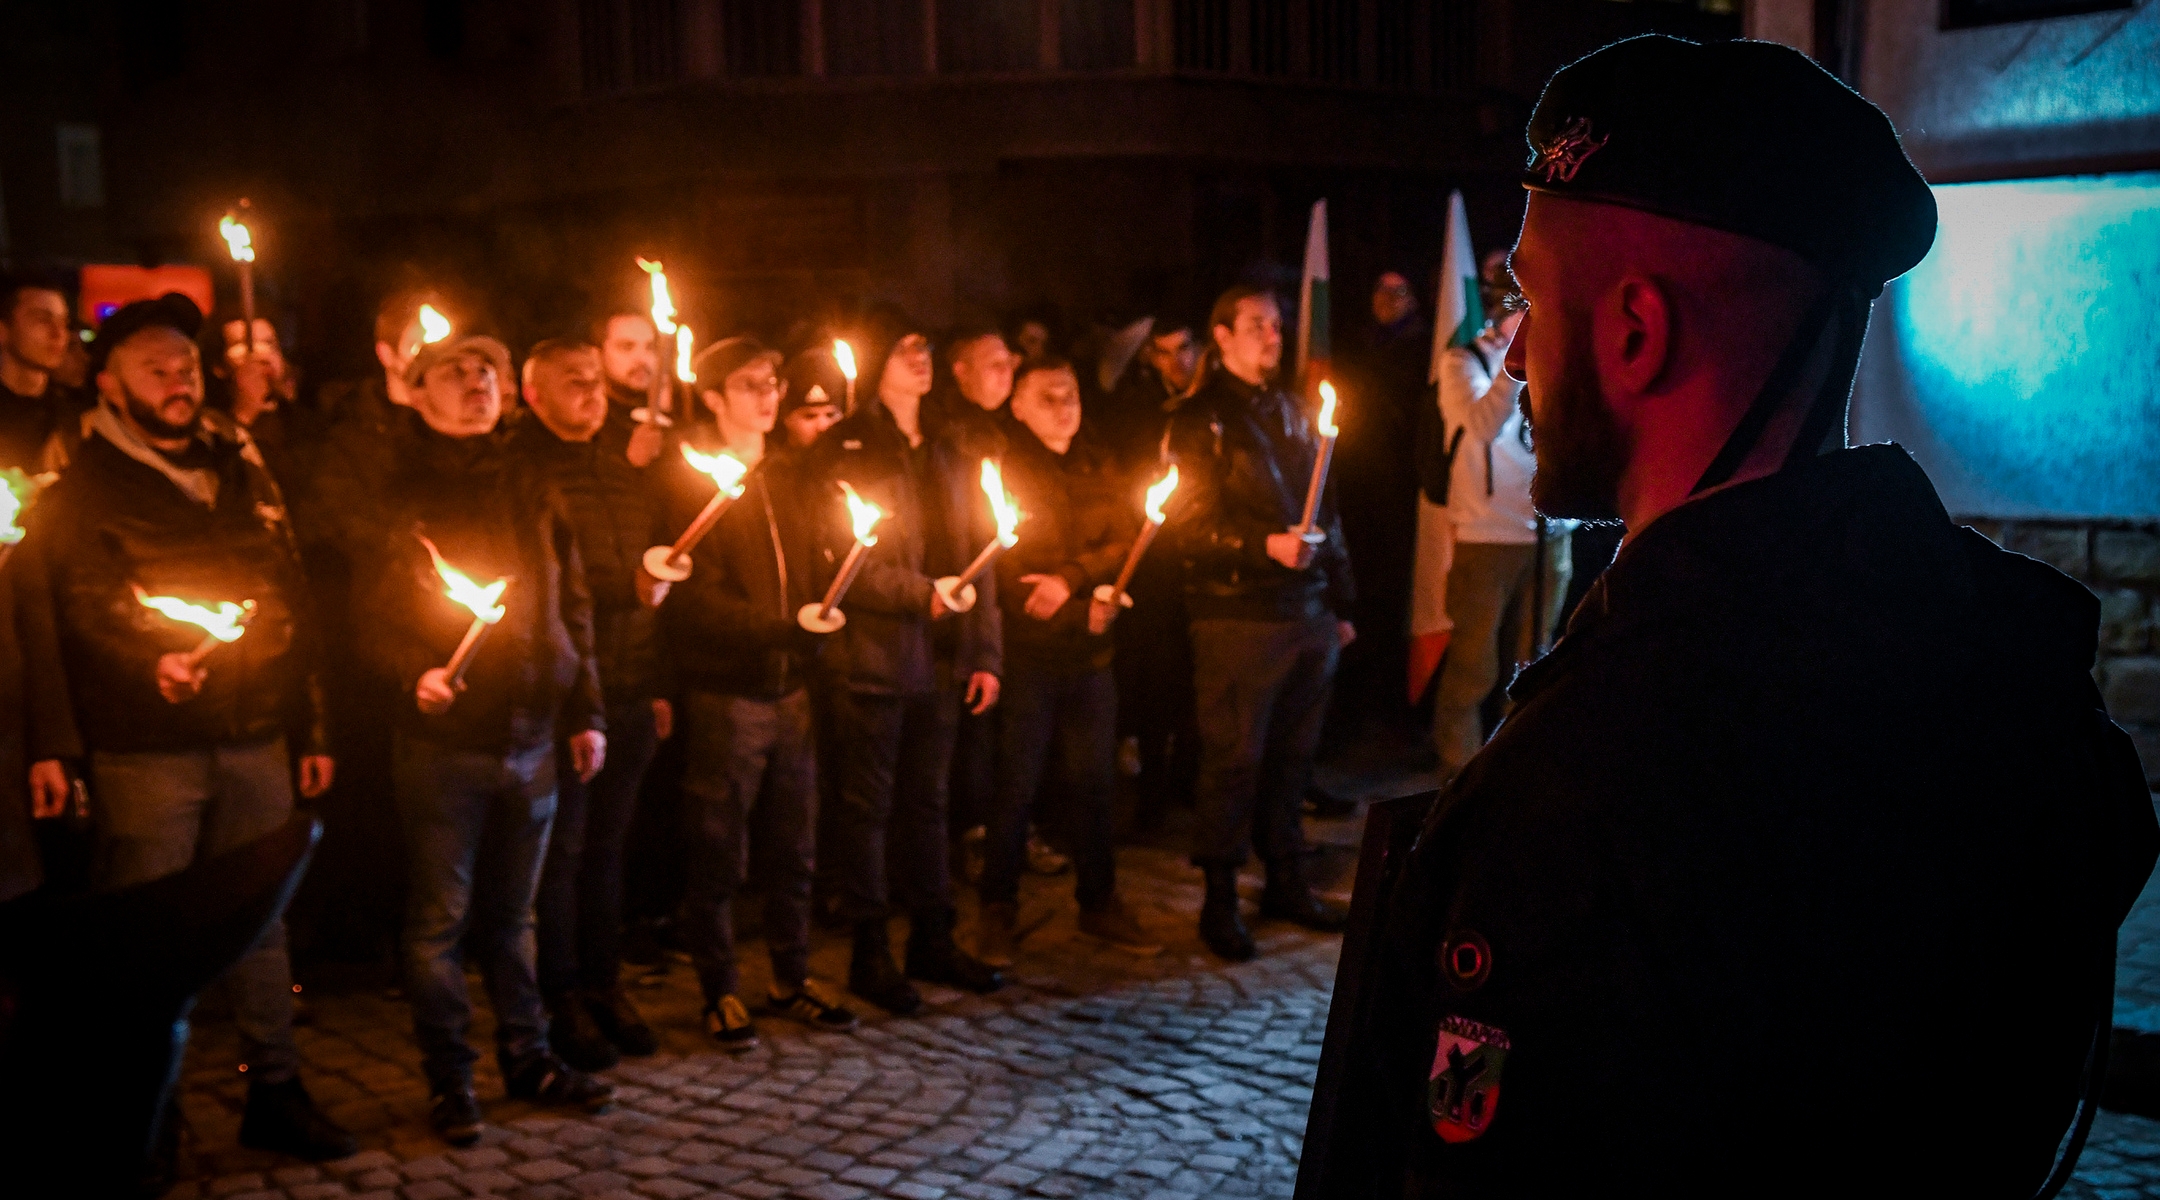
386,354
1639,344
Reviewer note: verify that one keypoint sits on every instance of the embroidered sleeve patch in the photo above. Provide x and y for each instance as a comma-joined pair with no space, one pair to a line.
1464,1087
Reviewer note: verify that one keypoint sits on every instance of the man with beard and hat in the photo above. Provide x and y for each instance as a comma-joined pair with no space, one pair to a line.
188,754
1800,858
899,671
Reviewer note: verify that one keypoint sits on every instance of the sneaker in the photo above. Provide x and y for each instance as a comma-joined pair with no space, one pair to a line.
873,975
814,1005
1115,924
994,944
576,1035
545,1079
973,850
1043,859
620,1020
456,1117
283,1117
728,1023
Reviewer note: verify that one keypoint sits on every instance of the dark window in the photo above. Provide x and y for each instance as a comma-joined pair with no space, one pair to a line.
1270,30
1202,35
763,37
1454,45
1395,43
873,37
154,41
442,25
599,47
988,35
653,43
1095,35
1965,14
1333,25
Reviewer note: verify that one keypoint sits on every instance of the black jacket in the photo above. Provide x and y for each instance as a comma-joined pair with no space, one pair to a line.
1079,525
615,511
41,433
889,645
21,869
114,523
492,514
1801,855
1245,459
731,626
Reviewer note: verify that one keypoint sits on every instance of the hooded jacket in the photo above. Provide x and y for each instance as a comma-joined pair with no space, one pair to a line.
1078,526
1245,459
1805,846
889,645
731,626
492,515
211,528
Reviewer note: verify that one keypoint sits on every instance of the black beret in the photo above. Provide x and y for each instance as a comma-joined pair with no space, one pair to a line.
1749,137
169,311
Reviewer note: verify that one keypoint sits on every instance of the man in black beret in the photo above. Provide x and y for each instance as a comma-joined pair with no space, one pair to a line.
1803,852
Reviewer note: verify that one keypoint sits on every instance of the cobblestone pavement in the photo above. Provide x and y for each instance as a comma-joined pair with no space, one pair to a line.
1095,1074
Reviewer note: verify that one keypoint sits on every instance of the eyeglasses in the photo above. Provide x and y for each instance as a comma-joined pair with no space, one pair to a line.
913,343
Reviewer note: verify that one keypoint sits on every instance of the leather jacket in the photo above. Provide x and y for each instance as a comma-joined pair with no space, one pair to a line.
1079,526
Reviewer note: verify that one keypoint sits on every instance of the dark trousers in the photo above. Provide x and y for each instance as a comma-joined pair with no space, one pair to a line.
894,755
1263,691
580,909
749,783
974,769
1075,714
1154,680
476,830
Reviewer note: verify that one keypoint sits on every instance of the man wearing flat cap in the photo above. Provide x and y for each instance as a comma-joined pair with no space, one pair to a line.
1797,867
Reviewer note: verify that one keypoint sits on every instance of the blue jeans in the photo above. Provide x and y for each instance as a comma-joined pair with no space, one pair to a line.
580,906
1076,713
476,829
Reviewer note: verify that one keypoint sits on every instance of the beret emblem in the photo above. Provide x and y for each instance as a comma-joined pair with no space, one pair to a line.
1563,154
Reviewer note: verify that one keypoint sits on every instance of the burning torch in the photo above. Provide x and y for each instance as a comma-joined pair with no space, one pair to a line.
16,489
221,626
1326,427
427,328
484,603
672,563
826,617
1114,595
660,401
241,244
958,591
844,356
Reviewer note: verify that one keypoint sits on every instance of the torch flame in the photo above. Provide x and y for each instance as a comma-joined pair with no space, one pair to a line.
844,355
1159,495
683,342
434,326
237,239
864,514
1001,503
726,470
16,489
226,623
663,305
460,587
1326,423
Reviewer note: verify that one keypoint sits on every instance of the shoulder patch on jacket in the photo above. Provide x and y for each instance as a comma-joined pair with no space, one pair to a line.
1463,1088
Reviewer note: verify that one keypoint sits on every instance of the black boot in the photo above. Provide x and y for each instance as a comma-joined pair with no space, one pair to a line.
1220,928
574,1034
933,956
283,1117
1289,898
874,976
620,1021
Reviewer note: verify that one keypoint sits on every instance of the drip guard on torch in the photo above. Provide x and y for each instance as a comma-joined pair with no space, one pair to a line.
671,564
486,606
1113,595
825,616
958,591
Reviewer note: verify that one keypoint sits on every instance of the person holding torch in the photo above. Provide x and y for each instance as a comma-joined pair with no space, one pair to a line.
1270,594
134,575
475,602
900,668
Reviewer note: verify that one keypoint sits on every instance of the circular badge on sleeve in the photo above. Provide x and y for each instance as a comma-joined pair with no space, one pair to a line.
1465,960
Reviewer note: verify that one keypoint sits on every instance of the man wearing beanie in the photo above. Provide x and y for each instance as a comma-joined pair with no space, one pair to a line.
744,665
901,667
1800,858
810,398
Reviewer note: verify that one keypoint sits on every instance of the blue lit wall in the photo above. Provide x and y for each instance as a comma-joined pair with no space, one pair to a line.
2021,360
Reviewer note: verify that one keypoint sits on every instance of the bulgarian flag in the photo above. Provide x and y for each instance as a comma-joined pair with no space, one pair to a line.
1459,316
1312,346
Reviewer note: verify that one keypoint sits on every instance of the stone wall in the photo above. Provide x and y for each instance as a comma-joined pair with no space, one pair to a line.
2120,562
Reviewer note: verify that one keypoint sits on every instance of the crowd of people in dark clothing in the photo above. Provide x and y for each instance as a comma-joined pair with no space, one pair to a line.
344,523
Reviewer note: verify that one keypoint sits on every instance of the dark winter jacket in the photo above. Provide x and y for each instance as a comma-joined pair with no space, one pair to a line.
41,433
492,514
1245,459
615,511
731,626
1079,525
1813,819
889,645
20,867
116,522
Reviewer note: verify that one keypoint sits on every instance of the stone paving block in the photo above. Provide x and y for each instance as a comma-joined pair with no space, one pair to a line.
260,1194
489,1182
379,1180
234,1184
432,1189
669,1189
596,1183
646,1167
546,1170
318,1191
366,1160
434,1166
911,1190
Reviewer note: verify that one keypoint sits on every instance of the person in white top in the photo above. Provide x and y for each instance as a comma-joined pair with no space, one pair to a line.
1492,578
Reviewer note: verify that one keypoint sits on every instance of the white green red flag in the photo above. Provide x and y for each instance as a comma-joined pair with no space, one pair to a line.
1312,347
1458,316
